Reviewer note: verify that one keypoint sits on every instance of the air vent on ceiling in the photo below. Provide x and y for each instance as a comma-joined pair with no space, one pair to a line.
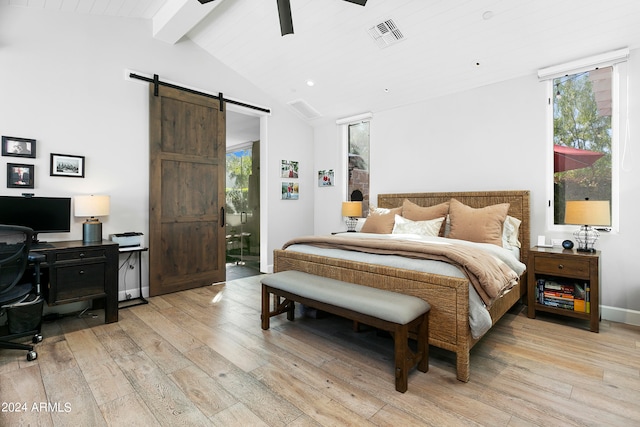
303,109
386,33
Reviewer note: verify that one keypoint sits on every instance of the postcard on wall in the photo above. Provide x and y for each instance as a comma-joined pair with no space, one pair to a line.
290,191
288,169
325,178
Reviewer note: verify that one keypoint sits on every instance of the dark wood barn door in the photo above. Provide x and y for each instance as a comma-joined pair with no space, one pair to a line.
187,191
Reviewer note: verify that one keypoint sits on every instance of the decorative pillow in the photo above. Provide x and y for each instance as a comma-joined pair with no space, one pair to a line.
380,223
418,213
510,233
483,225
424,228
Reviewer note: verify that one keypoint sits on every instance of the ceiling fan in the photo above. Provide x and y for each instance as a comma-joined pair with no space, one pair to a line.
284,12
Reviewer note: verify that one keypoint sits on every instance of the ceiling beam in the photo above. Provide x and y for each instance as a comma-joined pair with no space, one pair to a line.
177,17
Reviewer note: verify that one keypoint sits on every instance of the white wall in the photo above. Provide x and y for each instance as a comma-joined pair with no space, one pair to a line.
62,82
491,138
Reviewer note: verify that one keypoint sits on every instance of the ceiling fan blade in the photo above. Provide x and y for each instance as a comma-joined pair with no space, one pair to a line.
284,12
204,1
360,2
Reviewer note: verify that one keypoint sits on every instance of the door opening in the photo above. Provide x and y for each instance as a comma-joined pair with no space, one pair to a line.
242,196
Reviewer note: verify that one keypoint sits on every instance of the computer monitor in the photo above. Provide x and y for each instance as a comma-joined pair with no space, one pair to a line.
42,214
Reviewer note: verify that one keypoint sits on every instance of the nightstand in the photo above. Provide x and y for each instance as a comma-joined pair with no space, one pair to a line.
564,282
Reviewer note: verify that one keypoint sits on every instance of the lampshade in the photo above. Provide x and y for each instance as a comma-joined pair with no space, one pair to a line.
91,206
587,212
352,209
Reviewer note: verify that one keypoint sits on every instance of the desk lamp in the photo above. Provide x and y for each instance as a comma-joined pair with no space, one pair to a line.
91,207
352,210
587,213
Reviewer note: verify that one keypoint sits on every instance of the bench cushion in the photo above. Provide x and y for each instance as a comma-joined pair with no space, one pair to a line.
390,306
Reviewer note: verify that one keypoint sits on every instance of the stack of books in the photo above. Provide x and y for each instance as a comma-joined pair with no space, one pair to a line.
563,294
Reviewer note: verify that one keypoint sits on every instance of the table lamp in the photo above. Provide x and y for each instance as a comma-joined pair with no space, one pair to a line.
91,207
587,213
352,210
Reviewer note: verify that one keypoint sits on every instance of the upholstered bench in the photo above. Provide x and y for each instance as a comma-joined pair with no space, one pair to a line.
390,311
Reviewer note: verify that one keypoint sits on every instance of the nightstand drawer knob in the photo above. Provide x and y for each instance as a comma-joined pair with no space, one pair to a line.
81,272
560,266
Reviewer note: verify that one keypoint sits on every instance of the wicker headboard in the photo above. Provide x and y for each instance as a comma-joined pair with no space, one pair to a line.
518,206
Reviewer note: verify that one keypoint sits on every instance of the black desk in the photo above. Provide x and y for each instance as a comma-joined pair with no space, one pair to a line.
141,299
77,271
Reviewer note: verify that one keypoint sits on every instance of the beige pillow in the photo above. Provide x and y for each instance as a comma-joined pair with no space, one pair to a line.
380,223
418,213
424,228
483,225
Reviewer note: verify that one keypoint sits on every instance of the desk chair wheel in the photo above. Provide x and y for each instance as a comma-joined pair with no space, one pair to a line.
36,338
31,356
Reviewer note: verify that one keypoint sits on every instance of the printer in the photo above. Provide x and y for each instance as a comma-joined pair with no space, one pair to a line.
128,239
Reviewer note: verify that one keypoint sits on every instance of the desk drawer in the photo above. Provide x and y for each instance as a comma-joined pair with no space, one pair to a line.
80,281
78,255
568,267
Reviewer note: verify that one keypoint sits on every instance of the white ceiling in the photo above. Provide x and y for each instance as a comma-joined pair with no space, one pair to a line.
449,45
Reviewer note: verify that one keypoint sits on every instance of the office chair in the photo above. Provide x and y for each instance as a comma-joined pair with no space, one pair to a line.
20,298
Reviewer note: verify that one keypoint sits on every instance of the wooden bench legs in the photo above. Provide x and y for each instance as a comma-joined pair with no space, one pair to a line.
405,358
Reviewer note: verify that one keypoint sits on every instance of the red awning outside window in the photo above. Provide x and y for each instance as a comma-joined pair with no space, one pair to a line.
569,158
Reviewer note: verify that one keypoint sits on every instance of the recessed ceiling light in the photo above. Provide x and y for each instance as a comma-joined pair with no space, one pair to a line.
386,90
310,82
487,15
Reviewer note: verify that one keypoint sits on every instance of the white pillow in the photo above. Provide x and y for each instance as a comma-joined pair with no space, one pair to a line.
510,233
425,228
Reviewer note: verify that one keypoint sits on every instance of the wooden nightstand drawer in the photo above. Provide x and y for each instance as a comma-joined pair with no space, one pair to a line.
576,268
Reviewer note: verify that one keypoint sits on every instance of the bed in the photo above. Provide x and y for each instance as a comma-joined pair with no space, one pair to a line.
448,296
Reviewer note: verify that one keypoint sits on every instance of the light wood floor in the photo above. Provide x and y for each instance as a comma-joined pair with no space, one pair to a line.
200,358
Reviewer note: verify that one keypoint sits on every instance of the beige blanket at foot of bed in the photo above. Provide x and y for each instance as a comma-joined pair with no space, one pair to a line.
489,276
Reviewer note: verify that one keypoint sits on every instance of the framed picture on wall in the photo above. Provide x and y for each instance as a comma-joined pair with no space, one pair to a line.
290,191
325,178
67,165
18,147
20,176
288,169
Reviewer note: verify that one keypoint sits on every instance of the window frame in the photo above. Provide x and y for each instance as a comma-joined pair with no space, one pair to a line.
618,61
343,129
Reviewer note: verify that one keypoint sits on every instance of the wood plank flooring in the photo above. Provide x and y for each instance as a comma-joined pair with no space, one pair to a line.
199,357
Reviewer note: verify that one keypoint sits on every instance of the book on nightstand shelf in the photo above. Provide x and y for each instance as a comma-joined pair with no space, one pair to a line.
564,294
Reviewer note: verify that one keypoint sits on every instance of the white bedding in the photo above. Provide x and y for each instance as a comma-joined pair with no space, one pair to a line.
479,318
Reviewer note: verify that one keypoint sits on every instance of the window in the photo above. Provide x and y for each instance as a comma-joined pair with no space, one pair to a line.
358,164
582,138
584,98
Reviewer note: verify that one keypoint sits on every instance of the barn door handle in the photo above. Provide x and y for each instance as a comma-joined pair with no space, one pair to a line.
222,221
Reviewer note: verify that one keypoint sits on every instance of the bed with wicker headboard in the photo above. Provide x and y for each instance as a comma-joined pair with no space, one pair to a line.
448,296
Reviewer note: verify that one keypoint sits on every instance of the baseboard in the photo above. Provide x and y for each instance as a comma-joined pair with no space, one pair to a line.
620,315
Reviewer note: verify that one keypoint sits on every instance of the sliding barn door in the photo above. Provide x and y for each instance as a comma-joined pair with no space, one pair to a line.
187,191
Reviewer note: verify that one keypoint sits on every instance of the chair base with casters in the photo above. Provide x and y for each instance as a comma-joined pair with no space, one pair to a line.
24,318
21,303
